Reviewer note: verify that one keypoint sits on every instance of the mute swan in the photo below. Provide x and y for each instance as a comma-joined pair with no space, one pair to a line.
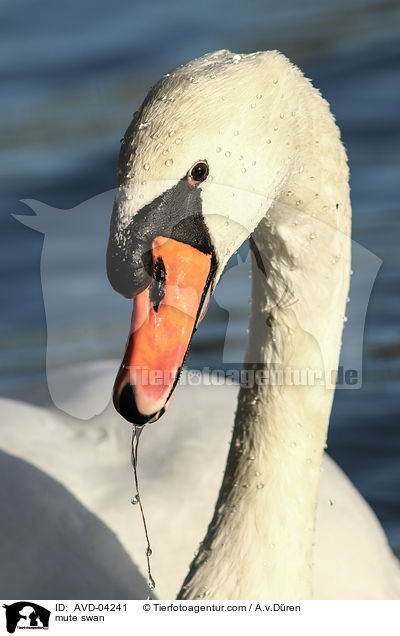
225,147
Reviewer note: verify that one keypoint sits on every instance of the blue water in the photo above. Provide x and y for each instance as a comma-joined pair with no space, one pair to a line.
71,76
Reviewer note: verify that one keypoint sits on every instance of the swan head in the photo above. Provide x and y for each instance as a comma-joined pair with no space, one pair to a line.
205,157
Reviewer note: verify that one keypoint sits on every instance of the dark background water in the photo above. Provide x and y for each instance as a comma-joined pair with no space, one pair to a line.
71,76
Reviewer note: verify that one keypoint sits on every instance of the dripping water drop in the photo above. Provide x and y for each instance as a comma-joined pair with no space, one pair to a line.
136,432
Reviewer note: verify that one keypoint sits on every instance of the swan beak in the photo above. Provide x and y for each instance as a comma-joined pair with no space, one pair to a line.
164,318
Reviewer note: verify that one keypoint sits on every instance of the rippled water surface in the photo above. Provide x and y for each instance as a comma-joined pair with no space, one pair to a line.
73,73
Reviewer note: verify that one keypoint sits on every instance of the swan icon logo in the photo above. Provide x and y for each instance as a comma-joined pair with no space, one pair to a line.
26,615
78,299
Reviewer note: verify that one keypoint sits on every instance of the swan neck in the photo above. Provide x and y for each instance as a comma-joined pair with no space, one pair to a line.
259,543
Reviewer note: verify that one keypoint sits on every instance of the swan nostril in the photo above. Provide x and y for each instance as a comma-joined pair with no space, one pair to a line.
157,287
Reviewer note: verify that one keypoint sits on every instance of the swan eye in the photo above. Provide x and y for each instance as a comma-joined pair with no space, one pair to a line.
198,172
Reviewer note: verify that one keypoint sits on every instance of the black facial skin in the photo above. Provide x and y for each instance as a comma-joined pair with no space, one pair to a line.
177,214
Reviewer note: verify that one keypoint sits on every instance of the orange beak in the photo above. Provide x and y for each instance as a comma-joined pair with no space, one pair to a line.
164,318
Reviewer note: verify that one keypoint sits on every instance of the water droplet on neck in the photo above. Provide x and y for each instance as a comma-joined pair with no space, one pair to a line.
218,149
260,486
330,502
169,163
146,166
268,141
236,132
313,236
227,154
171,133
145,125
253,105
135,499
